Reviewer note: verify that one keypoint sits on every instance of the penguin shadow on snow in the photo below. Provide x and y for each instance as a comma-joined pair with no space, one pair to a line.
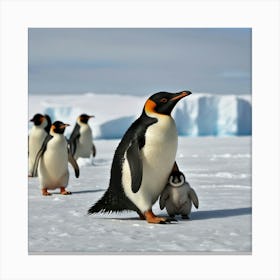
136,218
220,213
101,162
82,191
198,215
88,191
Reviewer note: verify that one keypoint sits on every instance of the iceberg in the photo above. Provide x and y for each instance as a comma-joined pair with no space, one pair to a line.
214,115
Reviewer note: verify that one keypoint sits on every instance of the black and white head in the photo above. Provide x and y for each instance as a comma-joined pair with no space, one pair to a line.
163,102
39,120
177,179
83,118
58,127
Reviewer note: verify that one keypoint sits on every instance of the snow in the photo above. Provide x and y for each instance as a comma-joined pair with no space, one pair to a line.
200,114
218,168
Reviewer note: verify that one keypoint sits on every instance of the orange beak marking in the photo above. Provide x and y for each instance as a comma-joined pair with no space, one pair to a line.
183,94
64,125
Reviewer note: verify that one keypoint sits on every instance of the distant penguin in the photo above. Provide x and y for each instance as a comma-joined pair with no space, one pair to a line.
81,141
52,161
178,196
143,160
38,133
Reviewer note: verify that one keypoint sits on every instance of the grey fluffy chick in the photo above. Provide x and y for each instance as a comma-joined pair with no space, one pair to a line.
178,196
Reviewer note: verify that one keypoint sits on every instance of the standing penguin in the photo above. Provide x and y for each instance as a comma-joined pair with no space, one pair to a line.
178,196
143,160
38,133
52,161
80,141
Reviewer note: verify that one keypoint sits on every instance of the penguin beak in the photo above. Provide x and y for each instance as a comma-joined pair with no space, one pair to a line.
64,125
91,116
180,95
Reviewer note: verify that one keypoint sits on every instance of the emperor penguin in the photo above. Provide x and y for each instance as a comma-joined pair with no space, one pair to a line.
81,141
38,133
52,161
143,160
178,196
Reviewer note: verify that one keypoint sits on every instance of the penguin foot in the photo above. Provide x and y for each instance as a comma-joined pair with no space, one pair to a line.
63,191
45,192
185,217
151,218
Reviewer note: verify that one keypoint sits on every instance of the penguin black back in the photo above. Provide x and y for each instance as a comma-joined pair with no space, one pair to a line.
48,127
74,138
114,199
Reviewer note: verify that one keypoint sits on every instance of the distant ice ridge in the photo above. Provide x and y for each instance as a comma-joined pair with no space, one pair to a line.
215,115
197,115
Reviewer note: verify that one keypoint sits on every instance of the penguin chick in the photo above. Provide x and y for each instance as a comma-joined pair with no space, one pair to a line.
178,196
81,141
52,161
38,133
143,160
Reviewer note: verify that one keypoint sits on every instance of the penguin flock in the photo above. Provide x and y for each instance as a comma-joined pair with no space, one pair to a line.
143,169
49,151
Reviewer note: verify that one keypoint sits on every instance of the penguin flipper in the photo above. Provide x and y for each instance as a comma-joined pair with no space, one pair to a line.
74,138
74,164
164,196
48,127
39,154
93,150
193,197
135,165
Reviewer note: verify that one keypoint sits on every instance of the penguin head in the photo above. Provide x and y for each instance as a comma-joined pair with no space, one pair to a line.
177,179
164,102
58,127
83,118
39,119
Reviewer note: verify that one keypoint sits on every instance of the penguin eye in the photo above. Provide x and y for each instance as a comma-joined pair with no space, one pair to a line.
163,100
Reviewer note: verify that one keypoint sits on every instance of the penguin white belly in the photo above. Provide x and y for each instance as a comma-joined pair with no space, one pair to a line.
177,200
36,139
158,157
84,145
53,166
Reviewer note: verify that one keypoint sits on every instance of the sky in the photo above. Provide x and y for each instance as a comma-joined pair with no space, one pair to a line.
139,61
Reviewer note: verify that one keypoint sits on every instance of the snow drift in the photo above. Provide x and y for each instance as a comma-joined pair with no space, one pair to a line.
196,115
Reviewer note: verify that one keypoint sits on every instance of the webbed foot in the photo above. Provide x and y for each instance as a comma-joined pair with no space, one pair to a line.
63,191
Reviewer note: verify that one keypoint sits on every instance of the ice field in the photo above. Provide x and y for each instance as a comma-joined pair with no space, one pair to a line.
219,169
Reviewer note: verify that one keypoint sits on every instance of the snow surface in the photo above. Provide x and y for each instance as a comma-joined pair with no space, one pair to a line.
199,114
218,168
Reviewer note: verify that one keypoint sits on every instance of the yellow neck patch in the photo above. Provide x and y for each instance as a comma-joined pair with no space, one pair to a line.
52,128
150,106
